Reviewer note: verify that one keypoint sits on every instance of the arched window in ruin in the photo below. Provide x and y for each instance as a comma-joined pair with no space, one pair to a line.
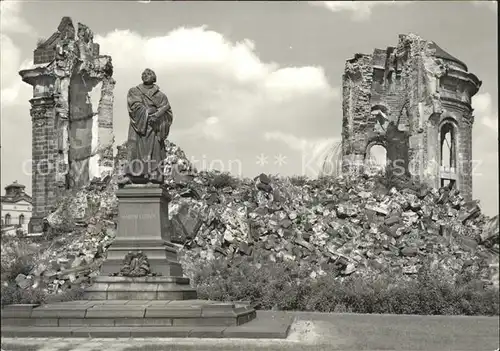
21,219
448,154
7,219
448,146
403,122
376,158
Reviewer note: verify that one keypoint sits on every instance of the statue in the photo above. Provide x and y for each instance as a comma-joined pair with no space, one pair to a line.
150,119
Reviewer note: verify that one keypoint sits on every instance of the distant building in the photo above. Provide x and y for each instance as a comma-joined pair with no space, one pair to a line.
16,208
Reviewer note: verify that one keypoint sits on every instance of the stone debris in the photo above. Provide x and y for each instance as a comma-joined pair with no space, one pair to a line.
329,226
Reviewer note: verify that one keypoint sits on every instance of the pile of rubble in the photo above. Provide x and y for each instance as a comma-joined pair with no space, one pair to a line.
334,226
72,258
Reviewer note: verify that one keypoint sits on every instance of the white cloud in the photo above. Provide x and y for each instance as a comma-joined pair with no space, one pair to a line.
10,61
11,21
10,64
485,151
484,112
360,10
219,90
210,129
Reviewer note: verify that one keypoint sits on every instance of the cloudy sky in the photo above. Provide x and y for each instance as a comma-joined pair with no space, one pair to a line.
250,78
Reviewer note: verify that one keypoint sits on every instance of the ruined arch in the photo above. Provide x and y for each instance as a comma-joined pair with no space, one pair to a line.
448,151
448,144
381,108
375,158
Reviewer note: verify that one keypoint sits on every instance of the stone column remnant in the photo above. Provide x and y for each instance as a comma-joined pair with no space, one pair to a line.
66,152
415,101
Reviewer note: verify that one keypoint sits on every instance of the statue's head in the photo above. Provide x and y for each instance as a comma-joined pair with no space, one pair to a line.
148,76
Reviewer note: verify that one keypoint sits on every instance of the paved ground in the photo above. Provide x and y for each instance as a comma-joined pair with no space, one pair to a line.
313,331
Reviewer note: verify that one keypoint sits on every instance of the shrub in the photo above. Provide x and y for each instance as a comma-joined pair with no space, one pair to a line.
13,294
285,286
298,180
222,180
20,259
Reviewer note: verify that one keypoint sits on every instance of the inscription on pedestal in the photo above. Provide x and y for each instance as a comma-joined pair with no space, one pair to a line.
135,216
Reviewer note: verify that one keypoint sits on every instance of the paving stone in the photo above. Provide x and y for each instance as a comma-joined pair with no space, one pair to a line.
161,332
263,331
101,332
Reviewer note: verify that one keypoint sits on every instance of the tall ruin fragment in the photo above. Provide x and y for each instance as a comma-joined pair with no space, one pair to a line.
72,140
415,101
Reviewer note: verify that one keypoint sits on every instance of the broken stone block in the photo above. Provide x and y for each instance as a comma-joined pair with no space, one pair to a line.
345,211
229,236
23,282
264,187
304,244
392,220
409,251
264,178
381,209
286,223
350,268
410,270
245,248
410,217
490,230
468,243
376,264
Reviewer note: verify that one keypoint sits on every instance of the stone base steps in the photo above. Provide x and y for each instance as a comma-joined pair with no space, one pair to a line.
140,318
253,330
128,313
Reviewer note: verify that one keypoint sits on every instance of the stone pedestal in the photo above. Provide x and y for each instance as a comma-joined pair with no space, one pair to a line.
35,225
142,228
154,301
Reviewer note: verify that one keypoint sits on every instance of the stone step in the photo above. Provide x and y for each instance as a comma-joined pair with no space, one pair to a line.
263,330
144,288
128,313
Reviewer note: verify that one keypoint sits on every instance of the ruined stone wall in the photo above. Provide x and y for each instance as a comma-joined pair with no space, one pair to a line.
67,69
356,107
44,146
400,98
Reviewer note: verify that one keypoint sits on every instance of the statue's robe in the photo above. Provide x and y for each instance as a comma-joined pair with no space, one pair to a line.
146,141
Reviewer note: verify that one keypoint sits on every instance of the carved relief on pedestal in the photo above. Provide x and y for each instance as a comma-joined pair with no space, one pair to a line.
135,264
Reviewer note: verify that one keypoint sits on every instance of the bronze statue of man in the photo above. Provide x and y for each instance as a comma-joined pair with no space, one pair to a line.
150,119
